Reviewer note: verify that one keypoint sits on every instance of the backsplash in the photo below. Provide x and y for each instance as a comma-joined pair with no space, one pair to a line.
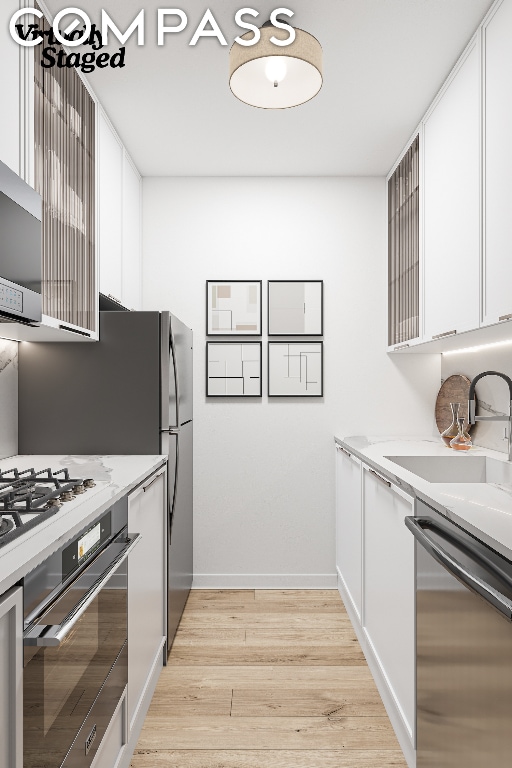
492,392
8,398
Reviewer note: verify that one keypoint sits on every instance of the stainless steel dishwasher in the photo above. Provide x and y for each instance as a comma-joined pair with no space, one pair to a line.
463,647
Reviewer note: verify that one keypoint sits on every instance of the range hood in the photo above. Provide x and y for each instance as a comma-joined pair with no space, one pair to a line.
20,250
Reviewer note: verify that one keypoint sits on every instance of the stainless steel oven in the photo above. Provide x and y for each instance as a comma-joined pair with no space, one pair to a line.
75,644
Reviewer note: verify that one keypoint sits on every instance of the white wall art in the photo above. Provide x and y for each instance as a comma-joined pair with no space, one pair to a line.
233,369
295,308
295,368
233,307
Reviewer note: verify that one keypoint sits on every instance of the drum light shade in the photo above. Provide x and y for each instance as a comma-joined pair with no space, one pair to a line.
270,76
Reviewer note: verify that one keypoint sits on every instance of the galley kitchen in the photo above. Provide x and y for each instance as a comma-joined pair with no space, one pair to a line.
255,385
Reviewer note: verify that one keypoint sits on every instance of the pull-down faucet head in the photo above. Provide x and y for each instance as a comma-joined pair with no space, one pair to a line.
472,417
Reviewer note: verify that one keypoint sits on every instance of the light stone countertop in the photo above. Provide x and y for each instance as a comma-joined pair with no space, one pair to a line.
483,509
115,476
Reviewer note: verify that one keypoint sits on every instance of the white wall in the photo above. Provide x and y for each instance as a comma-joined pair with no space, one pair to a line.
492,392
8,398
264,471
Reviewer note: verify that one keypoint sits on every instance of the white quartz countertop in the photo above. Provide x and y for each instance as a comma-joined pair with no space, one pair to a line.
483,509
114,476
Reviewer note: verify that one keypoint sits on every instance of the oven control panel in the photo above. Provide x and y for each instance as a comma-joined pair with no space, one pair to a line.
85,545
10,298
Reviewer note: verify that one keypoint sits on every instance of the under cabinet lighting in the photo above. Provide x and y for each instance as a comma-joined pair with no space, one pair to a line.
478,348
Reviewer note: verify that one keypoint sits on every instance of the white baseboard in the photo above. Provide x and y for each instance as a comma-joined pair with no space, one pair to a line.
388,699
264,581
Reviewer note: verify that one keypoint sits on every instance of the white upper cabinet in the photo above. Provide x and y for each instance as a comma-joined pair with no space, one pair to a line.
497,262
451,186
119,213
110,208
131,282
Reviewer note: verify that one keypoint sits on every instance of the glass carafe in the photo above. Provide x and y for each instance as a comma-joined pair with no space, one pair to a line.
462,442
451,431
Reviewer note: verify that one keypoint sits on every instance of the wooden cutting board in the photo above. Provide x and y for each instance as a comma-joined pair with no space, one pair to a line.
454,390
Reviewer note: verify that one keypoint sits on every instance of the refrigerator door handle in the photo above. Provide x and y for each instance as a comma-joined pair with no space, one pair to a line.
417,525
172,504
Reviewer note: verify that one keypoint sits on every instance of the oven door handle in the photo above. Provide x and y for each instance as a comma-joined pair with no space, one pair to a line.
470,580
51,635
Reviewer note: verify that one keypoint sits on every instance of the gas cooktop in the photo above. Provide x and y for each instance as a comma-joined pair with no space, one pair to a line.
28,497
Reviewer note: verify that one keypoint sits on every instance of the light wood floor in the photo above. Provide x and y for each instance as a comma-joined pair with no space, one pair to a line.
266,679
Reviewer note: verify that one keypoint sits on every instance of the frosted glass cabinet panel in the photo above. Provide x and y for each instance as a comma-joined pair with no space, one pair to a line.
497,264
451,186
403,249
64,174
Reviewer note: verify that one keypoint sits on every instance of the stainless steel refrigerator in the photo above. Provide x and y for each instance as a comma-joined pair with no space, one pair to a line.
129,393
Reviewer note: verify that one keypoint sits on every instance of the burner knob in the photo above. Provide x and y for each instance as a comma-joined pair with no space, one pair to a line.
79,488
66,496
53,503
89,483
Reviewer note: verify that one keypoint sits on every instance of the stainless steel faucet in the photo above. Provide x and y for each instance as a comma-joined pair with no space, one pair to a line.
472,418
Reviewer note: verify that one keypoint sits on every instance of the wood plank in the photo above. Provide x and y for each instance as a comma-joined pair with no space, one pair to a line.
220,596
266,676
300,595
314,637
351,700
267,758
204,638
177,701
287,654
163,732
288,605
241,619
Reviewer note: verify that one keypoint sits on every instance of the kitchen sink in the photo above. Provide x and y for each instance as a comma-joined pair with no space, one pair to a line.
456,469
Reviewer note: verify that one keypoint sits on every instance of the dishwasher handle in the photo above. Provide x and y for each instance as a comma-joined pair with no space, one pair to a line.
52,635
474,583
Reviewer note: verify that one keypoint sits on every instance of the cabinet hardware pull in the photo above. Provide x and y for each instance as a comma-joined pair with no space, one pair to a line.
505,317
145,488
401,346
442,335
339,448
73,330
382,479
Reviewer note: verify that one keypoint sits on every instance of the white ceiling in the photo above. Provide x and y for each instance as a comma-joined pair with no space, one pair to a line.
384,60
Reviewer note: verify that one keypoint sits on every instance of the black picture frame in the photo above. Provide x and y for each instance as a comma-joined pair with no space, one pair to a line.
285,332
240,343
290,343
212,333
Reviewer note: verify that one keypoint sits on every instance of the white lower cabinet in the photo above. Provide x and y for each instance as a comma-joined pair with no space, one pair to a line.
349,525
389,589
147,588
11,678
376,579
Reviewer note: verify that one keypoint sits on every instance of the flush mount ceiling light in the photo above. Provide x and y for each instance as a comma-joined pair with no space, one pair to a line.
270,76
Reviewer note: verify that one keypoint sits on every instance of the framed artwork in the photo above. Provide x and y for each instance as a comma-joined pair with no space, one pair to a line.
295,369
233,307
233,369
295,307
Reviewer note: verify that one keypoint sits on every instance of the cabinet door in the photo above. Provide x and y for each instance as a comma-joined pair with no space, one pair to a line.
11,678
110,205
147,577
349,525
131,282
452,204
497,269
389,588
